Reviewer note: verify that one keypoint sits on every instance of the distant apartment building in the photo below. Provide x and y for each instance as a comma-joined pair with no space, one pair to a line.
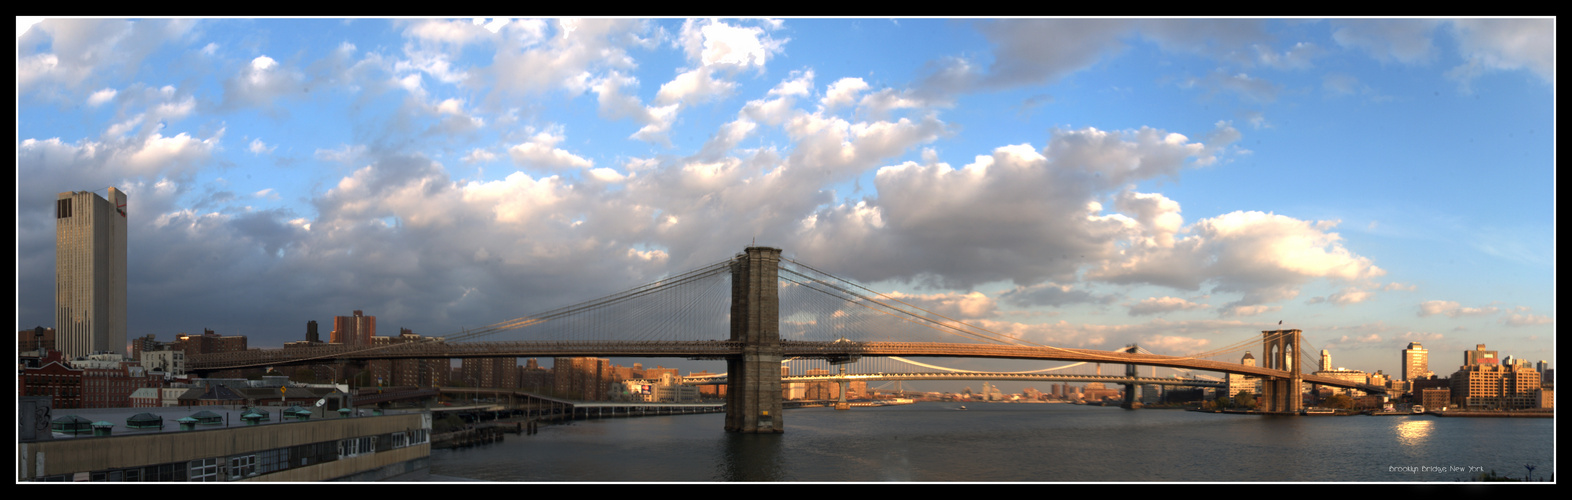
585,379
533,378
90,272
1496,386
356,329
491,373
410,372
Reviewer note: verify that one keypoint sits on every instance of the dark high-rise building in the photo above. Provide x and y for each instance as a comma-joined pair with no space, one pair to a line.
90,273
311,332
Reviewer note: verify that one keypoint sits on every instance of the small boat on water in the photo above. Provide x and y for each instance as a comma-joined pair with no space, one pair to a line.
963,407
1418,409
1318,411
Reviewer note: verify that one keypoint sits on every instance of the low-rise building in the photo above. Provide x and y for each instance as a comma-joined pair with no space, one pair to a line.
324,447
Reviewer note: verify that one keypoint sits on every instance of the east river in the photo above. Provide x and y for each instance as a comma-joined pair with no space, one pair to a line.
938,442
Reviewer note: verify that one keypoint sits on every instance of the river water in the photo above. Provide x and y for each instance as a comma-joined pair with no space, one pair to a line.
937,442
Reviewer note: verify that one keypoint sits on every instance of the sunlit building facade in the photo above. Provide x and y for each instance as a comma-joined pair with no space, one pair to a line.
90,273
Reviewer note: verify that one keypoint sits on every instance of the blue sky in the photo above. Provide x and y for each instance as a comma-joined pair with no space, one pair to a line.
1178,183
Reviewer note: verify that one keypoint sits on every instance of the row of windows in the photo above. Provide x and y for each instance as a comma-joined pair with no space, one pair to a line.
237,467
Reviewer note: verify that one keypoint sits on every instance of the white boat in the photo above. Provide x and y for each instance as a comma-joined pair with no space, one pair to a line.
1418,409
963,407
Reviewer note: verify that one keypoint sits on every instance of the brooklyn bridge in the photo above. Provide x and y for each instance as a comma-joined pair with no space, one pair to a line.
757,309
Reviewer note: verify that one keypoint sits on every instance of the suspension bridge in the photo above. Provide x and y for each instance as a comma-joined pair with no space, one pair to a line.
758,309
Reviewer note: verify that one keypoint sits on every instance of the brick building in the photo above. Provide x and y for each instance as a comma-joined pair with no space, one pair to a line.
52,377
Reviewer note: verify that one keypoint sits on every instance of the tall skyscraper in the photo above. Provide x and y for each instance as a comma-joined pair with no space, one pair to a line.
1416,362
90,273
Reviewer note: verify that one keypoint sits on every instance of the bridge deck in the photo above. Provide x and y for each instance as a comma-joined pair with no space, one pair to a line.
718,349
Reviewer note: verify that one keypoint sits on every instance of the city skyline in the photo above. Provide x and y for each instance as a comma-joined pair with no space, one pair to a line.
1177,183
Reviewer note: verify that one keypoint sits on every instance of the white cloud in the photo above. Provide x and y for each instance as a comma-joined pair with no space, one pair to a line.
1160,305
1521,317
1244,310
100,97
843,92
261,82
541,151
258,147
531,65
694,86
1406,41
1399,286
1266,257
1452,309
714,43
1505,45
956,305
1421,336
479,155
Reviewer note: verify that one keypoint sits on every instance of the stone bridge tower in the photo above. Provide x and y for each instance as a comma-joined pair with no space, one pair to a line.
1281,348
753,393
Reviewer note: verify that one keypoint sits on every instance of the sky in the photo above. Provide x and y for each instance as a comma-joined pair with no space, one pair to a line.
1178,183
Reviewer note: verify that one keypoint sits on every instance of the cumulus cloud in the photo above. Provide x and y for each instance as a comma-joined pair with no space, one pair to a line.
1161,305
1505,45
1348,295
540,151
1266,257
258,147
527,65
962,306
1406,41
1248,310
1521,317
67,55
1051,294
1452,309
711,42
100,97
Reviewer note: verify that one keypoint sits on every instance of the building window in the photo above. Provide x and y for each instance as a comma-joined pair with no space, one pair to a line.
242,467
204,470
356,446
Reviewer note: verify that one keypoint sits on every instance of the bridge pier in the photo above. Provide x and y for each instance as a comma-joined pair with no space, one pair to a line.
1130,390
753,392
1281,394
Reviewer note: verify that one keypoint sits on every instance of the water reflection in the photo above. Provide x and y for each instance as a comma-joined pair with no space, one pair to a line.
750,457
1414,432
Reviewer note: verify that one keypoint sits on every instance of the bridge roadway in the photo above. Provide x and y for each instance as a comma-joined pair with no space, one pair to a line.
721,349
1020,377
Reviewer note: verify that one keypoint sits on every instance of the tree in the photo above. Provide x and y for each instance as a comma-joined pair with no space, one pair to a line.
1245,399
1340,401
